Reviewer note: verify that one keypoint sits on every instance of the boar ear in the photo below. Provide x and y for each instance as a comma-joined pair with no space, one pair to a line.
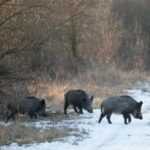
140,103
42,102
92,98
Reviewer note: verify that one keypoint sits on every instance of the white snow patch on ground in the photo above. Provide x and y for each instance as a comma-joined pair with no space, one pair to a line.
118,136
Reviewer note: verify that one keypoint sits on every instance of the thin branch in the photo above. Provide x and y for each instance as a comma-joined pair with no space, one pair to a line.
7,52
34,43
4,2
21,12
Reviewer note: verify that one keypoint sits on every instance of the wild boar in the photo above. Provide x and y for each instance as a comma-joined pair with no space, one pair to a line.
124,105
30,105
79,99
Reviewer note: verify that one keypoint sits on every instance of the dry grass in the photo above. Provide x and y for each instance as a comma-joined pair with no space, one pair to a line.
24,130
101,82
18,133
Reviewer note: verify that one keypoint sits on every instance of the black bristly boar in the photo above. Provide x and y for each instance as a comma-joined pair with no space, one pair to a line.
124,105
33,106
30,105
79,99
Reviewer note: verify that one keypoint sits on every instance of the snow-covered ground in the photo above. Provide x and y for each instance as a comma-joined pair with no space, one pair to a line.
118,136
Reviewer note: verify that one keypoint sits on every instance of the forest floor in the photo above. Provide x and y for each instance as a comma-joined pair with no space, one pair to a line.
79,132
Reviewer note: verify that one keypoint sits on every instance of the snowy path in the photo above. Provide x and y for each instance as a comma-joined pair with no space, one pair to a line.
135,136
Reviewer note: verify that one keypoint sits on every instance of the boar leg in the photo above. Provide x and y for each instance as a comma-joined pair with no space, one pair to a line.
32,115
65,108
129,118
75,109
108,118
7,119
9,116
101,117
80,110
125,116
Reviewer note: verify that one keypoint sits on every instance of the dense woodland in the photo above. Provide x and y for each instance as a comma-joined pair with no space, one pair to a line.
59,39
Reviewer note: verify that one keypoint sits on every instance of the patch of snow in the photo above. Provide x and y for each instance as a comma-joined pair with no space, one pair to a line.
117,136
2,123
